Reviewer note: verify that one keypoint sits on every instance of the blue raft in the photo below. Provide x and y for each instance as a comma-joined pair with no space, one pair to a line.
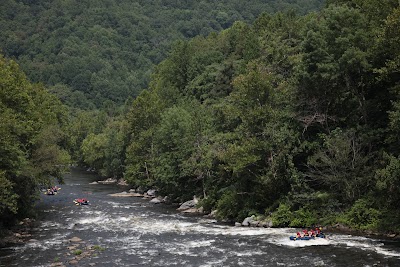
294,238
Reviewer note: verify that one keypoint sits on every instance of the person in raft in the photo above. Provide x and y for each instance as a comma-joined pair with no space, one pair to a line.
50,192
312,233
318,232
82,201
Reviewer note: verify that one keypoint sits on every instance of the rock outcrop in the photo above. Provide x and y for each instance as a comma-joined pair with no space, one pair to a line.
126,194
108,181
188,204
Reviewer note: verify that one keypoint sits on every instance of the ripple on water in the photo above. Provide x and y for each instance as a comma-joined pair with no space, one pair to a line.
363,243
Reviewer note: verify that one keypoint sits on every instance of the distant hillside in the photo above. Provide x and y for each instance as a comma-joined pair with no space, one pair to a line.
91,52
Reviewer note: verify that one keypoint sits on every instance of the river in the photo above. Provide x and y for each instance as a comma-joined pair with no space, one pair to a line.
134,232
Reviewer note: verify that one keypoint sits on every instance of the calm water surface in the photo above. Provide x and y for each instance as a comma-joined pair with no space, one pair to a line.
134,232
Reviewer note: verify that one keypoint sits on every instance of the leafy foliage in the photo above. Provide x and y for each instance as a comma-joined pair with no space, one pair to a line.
92,51
32,141
289,116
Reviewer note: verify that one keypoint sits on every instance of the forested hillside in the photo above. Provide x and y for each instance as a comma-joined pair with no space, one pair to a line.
95,53
294,116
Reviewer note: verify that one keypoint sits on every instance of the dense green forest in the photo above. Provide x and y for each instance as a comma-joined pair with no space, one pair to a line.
33,123
295,117
97,53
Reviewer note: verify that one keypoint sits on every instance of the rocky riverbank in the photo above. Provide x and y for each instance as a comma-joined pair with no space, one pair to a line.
77,251
191,207
18,234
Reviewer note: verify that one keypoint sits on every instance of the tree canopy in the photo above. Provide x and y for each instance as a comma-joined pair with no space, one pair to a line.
88,51
32,140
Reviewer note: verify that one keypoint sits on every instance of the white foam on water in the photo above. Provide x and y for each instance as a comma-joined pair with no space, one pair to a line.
387,252
50,210
198,244
50,224
138,224
367,244
54,241
285,241
123,219
249,231
121,205
93,220
190,248
216,262
249,253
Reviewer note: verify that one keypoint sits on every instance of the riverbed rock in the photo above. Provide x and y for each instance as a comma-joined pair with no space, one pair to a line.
57,264
167,200
194,210
108,181
151,192
188,204
122,182
75,239
156,200
238,224
94,182
254,223
342,228
126,194
73,262
247,221
211,215
267,224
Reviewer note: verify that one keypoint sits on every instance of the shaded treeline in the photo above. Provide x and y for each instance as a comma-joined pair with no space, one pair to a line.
33,123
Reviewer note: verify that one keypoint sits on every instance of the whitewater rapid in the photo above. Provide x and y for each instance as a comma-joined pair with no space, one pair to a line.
134,232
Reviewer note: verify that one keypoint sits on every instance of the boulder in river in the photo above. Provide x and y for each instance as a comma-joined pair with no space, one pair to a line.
151,192
156,200
247,221
122,182
108,181
57,264
194,210
254,223
75,239
126,194
267,224
73,262
188,204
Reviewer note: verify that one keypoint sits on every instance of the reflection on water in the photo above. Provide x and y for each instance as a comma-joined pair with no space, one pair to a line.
133,232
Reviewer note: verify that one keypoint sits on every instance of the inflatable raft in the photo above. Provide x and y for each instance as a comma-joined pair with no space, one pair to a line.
79,202
294,238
